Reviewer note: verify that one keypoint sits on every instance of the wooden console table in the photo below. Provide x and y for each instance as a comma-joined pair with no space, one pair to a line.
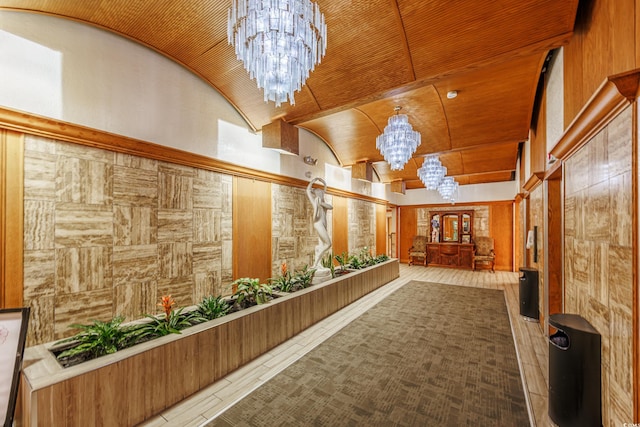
458,255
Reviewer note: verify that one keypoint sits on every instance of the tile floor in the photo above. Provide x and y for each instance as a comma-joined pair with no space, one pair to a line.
531,346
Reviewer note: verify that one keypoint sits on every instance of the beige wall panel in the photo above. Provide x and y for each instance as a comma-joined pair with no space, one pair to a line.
39,224
135,186
137,263
113,245
134,299
175,186
175,225
599,255
83,269
83,225
39,274
362,227
81,307
135,225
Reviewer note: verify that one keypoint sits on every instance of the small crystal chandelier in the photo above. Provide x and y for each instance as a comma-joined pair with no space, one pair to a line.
398,142
447,188
279,42
431,173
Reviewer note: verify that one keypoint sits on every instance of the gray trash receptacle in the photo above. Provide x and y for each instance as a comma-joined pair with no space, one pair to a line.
574,372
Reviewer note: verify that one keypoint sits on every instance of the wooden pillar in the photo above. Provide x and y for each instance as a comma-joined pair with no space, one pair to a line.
11,218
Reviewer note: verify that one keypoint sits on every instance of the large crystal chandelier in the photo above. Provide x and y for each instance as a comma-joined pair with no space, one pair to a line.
431,173
398,142
448,188
279,42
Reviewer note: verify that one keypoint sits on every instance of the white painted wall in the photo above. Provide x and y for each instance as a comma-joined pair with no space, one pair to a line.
466,193
554,99
76,73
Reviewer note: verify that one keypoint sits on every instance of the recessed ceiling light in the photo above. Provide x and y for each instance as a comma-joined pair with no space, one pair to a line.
452,94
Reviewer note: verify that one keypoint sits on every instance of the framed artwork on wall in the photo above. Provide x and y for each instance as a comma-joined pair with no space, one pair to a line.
13,335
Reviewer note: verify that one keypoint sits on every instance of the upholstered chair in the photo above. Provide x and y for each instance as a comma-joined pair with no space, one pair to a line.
418,250
483,254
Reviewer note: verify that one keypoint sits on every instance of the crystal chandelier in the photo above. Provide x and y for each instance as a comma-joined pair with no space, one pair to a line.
431,173
447,188
398,142
279,43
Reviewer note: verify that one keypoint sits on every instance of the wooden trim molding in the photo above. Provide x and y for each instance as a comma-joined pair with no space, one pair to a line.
614,95
11,218
51,128
534,180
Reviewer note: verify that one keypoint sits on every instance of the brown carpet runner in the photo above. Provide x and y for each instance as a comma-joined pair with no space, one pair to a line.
428,355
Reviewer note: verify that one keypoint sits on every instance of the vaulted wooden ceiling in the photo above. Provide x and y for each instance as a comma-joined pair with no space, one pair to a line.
381,53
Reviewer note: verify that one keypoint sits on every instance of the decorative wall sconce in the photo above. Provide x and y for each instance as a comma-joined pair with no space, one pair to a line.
310,160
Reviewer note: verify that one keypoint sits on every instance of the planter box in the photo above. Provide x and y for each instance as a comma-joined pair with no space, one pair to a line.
134,384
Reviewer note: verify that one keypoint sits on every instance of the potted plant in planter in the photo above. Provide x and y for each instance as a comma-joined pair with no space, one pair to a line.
343,261
96,339
250,292
213,307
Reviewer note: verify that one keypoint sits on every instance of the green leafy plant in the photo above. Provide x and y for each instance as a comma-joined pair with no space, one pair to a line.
285,281
327,262
100,338
250,291
381,258
303,278
343,260
213,307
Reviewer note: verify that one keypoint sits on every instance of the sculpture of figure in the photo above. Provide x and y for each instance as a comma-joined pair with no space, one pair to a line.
316,196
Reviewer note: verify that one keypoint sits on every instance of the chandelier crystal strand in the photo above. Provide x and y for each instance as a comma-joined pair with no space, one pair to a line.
398,142
447,188
279,42
431,172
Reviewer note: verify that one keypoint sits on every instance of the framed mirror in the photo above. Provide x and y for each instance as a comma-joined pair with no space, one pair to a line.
466,223
450,228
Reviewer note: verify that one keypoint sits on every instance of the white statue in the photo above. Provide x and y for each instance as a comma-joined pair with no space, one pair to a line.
316,196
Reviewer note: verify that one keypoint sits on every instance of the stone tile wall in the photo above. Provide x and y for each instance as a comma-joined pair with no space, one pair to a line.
599,255
362,226
107,234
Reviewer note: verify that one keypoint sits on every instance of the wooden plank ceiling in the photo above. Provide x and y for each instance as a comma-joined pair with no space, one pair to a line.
380,54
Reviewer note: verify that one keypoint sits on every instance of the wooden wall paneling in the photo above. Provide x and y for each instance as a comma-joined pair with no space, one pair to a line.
381,229
554,245
635,199
408,229
251,228
518,244
11,218
340,241
501,229
598,49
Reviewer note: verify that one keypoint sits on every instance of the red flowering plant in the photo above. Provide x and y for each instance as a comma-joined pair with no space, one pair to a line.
173,321
285,281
